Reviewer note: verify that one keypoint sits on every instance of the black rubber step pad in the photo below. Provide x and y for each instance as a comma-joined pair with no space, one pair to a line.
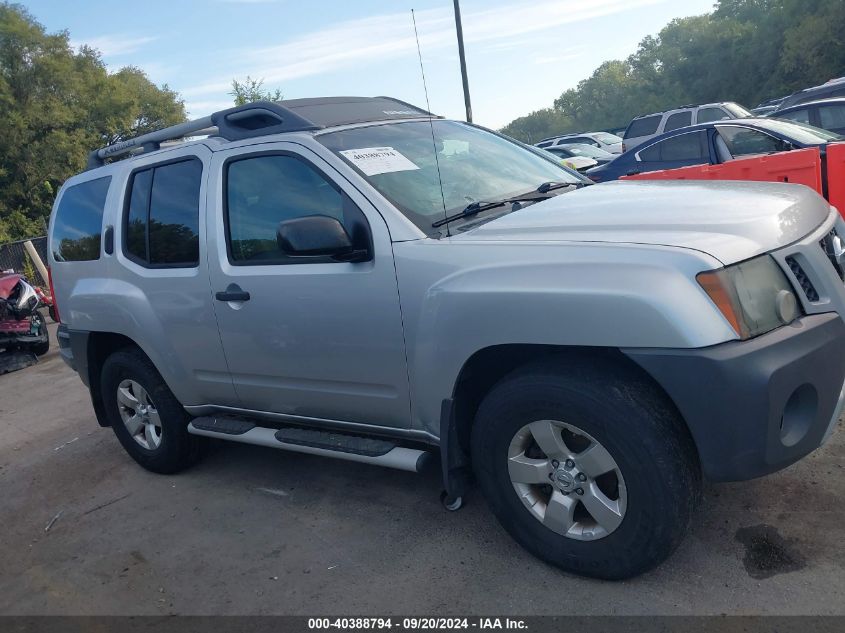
332,441
229,426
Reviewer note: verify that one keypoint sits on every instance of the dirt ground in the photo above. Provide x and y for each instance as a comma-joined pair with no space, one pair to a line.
258,531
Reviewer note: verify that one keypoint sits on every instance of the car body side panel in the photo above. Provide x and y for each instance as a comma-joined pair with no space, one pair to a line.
457,300
166,311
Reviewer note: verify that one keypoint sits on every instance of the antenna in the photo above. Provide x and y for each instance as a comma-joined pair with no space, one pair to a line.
430,124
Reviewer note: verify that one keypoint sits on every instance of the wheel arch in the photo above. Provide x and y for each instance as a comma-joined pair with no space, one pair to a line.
99,347
488,366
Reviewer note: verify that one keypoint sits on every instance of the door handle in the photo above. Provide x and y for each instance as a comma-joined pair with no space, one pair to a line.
232,293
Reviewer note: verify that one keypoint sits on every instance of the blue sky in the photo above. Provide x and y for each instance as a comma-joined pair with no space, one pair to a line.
520,54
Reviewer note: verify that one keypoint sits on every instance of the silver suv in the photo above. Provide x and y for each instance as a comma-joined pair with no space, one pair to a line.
645,127
356,278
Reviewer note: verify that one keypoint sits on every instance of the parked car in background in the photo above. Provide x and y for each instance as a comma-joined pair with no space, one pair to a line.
767,107
577,163
599,155
647,126
828,114
713,143
616,131
603,140
22,326
833,88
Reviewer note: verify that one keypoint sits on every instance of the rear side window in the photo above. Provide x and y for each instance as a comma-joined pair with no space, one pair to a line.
643,127
583,140
742,141
162,215
706,115
545,144
801,116
685,147
679,119
832,117
78,225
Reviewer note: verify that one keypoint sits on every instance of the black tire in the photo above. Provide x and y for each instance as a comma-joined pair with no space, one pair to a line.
41,348
178,449
634,421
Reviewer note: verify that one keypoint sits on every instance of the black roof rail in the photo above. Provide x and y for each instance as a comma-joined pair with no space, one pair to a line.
252,119
263,118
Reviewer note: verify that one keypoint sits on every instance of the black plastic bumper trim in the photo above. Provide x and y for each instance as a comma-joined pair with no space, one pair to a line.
732,396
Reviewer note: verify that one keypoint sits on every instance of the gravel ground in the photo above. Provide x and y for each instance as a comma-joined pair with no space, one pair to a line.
256,531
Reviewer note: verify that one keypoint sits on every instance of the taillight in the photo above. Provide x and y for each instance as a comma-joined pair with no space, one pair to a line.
53,294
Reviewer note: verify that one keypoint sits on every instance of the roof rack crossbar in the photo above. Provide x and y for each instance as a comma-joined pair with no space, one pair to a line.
251,119
151,140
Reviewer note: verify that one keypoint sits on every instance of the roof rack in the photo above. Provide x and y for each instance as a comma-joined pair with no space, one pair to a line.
262,118
252,119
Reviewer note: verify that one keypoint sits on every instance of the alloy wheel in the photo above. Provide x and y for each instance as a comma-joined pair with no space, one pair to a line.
567,480
139,414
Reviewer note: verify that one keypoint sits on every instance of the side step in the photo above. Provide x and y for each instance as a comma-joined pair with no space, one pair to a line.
354,448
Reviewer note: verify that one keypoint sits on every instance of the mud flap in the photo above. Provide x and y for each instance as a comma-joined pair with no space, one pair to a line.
454,461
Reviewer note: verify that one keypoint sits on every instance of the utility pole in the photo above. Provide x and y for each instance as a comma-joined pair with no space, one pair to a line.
463,59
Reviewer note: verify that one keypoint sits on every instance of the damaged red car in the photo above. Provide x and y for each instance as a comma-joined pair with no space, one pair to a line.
22,326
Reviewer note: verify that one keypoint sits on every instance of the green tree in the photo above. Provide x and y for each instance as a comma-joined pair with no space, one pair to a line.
537,125
58,104
745,51
251,90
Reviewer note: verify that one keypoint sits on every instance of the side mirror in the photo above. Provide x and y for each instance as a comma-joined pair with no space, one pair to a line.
317,236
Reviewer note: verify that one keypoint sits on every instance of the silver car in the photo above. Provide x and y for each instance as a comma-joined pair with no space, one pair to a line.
647,126
356,278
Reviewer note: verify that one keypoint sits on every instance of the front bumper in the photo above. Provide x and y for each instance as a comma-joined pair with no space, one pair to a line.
754,407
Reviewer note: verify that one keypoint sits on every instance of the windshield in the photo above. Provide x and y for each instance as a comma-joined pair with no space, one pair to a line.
475,165
579,149
607,138
800,132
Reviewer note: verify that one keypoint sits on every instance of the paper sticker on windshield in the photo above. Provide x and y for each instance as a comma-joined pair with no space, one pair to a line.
378,160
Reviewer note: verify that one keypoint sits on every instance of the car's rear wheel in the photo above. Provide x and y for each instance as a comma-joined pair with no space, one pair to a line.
145,416
589,468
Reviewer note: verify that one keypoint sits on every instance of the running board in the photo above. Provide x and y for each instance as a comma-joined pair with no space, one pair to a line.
353,448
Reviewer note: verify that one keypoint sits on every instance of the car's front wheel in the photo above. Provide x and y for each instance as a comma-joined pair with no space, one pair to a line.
588,467
145,416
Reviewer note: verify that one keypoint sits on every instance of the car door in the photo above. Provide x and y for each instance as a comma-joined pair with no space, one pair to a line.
832,117
801,115
314,338
159,268
745,141
682,150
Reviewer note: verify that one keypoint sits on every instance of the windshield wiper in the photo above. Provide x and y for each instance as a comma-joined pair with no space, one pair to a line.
552,185
477,207
540,193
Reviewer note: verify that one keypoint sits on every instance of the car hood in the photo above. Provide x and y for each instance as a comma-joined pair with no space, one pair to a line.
616,148
730,221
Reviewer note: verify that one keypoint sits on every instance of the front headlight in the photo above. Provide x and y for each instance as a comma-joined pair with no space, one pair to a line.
755,296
